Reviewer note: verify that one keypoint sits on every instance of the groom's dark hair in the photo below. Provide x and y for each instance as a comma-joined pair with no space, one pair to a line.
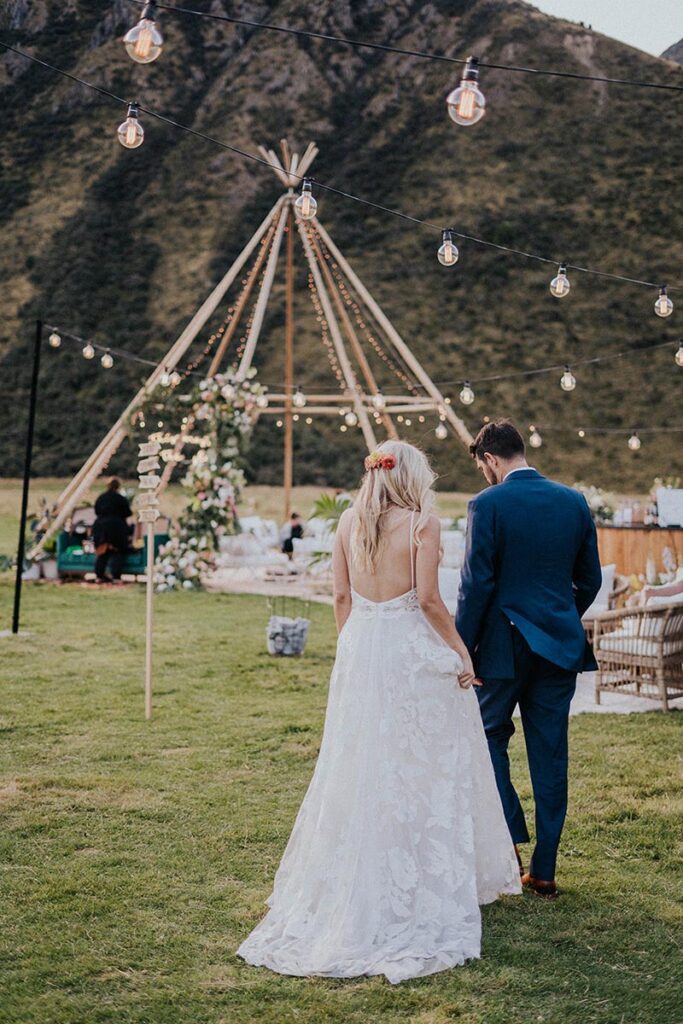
499,438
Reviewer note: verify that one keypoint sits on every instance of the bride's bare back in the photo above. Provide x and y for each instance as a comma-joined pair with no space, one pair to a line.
395,571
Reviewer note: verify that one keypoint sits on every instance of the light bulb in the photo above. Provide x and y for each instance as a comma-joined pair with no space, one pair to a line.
679,354
663,306
582,433
441,431
379,401
107,360
467,394
228,391
299,399
175,379
350,419
54,340
343,428
278,423
164,380
560,285
88,351
535,439
448,254
634,442
466,104
131,134
309,420
567,380
262,401
305,205
144,42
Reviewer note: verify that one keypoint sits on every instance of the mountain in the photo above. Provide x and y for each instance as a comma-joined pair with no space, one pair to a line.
122,246
675,52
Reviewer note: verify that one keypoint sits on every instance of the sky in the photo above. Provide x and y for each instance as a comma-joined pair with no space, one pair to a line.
650,25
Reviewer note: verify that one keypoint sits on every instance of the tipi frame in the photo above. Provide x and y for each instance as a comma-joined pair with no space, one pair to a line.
359,383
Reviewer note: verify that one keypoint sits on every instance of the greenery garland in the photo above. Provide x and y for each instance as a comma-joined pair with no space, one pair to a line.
216,417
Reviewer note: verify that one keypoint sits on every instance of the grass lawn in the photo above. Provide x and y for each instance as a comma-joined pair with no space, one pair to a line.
135,856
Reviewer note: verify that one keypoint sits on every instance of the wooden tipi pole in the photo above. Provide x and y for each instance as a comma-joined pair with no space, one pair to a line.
289,368
395,338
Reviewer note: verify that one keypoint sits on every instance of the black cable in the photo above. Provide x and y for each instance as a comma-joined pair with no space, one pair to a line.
330,188
420,54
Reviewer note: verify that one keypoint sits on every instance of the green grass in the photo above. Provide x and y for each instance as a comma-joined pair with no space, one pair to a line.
135,856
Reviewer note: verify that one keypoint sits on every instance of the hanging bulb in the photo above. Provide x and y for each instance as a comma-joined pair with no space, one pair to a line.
131,134
679,354
309,420
663,306
634,442
350,419
379,401
165,380
466,104
144,42
467,394
448,254
299,399
88,351
582,433
305,205
54,340
567,380
278,423
560,285
535,439
175,379
262,401
441,431
107,360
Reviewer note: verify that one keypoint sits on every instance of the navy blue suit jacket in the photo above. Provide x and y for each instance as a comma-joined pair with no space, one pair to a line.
532,562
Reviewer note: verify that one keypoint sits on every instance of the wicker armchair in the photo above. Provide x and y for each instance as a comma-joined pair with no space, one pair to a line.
640,652
620,587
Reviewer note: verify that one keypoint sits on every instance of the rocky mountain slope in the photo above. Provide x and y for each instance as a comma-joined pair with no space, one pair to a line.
122,246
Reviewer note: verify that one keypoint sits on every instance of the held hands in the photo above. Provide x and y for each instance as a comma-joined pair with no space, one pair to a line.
467,678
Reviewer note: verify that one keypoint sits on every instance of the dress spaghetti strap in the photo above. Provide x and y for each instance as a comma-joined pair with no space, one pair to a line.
412,553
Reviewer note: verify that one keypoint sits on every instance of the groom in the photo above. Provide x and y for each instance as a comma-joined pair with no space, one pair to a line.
531,570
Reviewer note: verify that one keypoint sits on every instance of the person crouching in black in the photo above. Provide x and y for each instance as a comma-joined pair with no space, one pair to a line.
111,532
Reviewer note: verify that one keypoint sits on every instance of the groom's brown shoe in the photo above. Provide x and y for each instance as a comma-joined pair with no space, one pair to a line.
547,890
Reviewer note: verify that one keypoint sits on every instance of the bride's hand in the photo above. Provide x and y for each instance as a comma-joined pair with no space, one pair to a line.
466,677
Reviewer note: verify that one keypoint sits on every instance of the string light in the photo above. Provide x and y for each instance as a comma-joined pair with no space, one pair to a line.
560,285
299,399
535,439
306,205
409,423
309,420
663,306
678,358
164,380
350,419
448,254
343,428
144,41
379,401
295,417
107,360
441,431
130,133
54,340
278,423
467,104
582,433
88,351
567,380
467,394
634,442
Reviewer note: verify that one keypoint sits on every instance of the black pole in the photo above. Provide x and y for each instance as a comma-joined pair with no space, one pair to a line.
27,475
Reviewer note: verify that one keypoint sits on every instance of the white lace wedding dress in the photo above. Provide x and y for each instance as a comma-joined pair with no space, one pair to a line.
401,835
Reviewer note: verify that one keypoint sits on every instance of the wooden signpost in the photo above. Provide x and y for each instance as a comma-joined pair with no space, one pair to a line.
148,513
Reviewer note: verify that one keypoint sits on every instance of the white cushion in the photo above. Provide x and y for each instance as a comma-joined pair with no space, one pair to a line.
601,602
643,646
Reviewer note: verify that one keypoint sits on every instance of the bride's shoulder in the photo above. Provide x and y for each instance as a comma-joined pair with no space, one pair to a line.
432,528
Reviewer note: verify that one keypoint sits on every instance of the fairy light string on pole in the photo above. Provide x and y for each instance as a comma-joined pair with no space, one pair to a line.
138,108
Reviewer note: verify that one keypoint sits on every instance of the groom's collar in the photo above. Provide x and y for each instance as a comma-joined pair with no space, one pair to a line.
523,472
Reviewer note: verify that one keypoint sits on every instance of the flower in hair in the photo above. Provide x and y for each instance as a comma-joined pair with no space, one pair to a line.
379,460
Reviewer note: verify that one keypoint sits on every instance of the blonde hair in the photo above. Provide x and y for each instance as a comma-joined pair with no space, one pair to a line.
408,485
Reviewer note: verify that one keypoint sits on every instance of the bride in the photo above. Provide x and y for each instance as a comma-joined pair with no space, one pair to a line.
401,835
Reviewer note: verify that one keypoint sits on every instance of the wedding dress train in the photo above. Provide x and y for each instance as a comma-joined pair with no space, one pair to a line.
401,835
